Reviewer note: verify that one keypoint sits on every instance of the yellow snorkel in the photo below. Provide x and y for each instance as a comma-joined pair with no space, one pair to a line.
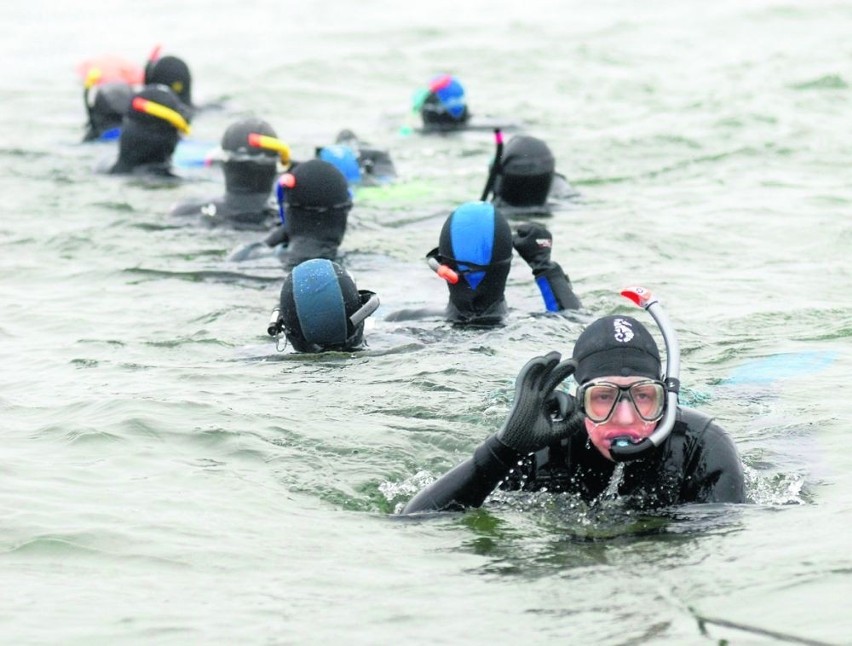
161,112
270,143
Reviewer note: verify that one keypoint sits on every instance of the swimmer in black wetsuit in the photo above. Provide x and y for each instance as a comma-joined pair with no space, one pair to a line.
360,164
525,178
321,309
106,106
315,207
250,153
474,256
174,73
443,109
150,132
623,412
442,105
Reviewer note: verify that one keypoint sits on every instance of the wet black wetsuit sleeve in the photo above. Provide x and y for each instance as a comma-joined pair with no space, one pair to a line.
189,207
555,288
715,471
415,314
277,236
468,484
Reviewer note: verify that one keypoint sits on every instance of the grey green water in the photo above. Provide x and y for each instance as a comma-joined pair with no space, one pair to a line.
167,477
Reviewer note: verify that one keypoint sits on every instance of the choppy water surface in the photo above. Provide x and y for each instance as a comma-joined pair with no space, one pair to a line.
168,477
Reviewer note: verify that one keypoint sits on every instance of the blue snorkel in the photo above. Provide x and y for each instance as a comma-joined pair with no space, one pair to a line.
623,450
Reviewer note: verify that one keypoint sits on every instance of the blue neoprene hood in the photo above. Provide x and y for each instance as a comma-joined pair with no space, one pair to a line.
472,237
319,303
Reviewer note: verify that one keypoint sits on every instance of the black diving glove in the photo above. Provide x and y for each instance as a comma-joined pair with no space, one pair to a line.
531,424
534,243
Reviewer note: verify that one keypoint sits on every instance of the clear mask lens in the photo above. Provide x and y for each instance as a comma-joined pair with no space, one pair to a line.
601,398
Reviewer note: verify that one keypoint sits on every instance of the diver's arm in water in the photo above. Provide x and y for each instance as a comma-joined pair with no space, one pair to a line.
470,483
192,206
415,314
556,289
277,236
534,243
539,417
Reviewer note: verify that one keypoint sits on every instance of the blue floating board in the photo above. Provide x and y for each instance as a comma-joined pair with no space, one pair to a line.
191,153
781,366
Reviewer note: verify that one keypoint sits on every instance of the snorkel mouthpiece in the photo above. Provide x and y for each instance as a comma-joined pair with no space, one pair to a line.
620,442
623,449
273,328
442,270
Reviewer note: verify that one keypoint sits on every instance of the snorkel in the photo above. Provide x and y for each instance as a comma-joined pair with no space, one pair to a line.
495,166
270,143
160,111
444,271
623,449
93,77
286,181
371,304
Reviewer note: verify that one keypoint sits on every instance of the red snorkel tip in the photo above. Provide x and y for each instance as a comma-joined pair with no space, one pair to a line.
440,83
154,56
498,136
448,274
639,295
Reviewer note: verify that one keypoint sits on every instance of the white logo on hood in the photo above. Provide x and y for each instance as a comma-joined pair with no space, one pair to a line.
623,331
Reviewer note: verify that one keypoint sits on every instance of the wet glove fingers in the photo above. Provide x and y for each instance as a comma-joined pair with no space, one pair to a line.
528,426
533,243
557,375
561,405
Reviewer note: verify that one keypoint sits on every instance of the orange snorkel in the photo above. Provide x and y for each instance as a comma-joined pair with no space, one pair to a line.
443,271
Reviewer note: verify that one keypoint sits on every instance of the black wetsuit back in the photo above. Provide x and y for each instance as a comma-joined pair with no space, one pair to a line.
238,210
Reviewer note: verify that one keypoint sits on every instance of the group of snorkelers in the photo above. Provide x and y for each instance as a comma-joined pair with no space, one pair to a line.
625,409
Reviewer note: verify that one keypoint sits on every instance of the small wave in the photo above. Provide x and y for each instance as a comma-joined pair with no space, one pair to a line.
826,82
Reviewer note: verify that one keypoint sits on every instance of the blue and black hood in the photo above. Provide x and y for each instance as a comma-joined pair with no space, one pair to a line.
476,243
322,309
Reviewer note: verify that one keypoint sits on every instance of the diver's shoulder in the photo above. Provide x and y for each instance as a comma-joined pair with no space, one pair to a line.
694,420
